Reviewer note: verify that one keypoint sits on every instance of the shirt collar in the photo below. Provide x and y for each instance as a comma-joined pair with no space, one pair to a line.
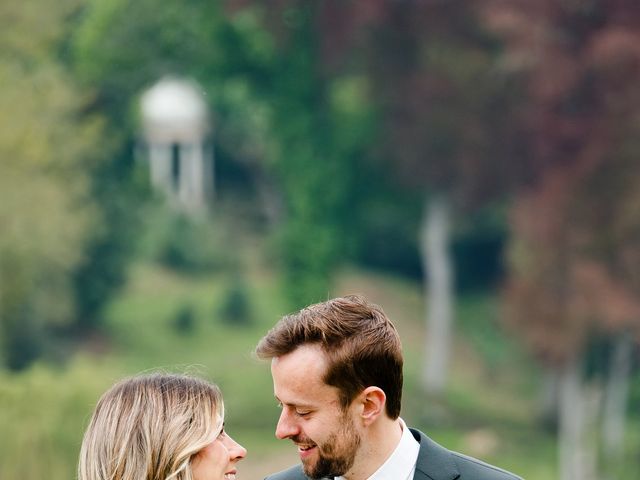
401,464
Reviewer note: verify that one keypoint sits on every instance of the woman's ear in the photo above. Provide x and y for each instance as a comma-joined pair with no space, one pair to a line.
373,401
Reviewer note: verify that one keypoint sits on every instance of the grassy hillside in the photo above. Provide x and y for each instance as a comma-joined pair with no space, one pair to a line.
488,411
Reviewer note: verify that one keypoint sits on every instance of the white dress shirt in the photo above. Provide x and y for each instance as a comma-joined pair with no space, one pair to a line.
401,464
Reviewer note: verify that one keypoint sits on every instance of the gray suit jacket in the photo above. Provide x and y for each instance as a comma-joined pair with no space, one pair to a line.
434,463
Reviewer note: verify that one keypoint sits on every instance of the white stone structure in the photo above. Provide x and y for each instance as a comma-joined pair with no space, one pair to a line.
176,125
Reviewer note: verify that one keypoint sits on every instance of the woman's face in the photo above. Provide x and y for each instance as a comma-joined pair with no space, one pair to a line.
217,461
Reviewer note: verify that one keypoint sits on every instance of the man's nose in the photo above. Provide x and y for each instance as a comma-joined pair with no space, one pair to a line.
286,427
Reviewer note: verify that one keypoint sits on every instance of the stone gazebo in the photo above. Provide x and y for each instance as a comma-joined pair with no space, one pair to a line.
176,126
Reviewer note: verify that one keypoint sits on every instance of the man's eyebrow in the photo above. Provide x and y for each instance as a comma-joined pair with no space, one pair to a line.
293,404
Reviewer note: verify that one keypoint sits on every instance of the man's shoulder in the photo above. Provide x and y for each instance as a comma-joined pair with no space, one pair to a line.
293,473
437,462
478,470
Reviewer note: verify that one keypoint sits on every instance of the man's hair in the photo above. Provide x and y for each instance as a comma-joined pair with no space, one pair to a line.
149,427
362,346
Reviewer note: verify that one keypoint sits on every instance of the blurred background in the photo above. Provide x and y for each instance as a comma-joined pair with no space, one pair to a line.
177,175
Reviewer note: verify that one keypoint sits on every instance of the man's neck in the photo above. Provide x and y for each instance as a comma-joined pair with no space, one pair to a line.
381,440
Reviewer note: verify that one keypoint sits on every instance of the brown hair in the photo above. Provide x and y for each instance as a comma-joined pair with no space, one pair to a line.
361,344
149,427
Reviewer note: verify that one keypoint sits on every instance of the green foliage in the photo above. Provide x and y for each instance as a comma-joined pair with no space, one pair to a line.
24,338
169,38
318,126
46,410
120,197
185,320
119,49
122,47
384,225
477,248
283,117
47,149
186,245
236,304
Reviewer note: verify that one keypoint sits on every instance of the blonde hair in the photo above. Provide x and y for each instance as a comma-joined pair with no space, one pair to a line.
149,427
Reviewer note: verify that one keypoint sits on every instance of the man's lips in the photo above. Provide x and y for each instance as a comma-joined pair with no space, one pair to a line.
306,450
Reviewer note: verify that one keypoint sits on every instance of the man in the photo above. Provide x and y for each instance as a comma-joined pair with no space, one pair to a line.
337,375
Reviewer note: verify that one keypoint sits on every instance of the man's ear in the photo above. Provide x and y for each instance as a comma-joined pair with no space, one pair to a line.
373,401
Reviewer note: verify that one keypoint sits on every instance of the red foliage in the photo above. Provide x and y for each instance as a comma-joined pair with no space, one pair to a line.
575,253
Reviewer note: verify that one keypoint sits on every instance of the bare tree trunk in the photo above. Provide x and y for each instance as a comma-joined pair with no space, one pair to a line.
438,293
571,422
615,398
549,398
577,413
270,197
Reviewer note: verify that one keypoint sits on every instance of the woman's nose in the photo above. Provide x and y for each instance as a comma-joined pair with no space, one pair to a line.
236,451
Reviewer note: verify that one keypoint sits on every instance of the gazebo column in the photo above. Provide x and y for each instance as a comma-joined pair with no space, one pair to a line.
160,164
192,192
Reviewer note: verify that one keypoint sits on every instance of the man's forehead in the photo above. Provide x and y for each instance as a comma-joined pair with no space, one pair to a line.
298,377
309,358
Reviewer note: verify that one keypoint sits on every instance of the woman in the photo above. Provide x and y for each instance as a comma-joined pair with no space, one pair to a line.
159,427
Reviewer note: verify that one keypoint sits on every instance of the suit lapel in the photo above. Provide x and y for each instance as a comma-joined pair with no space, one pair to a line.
434,462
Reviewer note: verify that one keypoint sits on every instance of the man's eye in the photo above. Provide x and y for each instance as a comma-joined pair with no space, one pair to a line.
302,413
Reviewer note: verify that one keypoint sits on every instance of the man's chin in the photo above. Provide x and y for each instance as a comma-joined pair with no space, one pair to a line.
318,468
310,467
316,476
309,471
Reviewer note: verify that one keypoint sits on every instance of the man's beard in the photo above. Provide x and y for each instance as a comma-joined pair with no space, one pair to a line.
336,455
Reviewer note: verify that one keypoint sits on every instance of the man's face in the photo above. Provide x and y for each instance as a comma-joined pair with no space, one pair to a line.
327,437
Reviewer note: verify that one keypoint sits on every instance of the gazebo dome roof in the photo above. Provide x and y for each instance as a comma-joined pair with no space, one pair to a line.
174,110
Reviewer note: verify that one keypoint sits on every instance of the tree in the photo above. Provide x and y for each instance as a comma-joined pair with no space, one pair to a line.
575,223
119,49
318,121
441,101
46,212
276,110
426,69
